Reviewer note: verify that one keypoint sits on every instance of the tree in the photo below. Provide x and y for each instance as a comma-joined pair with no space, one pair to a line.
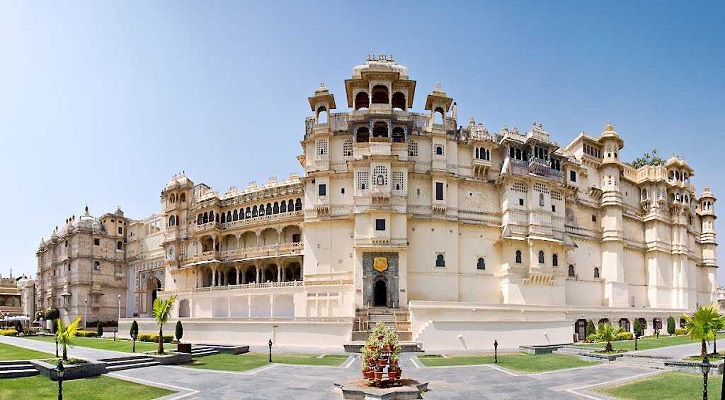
162,312
18,326
647,159
607,333
590,329
179,331
66,334
52,314
703,324
99,329
134,333
671,325
637,328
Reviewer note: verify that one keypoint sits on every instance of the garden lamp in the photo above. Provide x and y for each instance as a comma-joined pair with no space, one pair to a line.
495,351
60,371
705,367
270,350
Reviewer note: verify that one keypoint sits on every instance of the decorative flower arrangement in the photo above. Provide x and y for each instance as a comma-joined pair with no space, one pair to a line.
381,351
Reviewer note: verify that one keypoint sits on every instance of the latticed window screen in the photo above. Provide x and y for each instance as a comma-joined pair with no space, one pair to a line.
413,149
363,180
519,187
556,195
347,148
322,147
380,173
398,181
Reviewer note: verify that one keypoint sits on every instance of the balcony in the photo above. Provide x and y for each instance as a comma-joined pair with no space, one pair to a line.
208,226
275,218
253,285
535,166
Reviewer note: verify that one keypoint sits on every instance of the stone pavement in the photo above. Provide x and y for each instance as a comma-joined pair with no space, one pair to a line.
288,382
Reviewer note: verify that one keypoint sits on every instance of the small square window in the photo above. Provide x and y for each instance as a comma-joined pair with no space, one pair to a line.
594,218
521,202
120,230
380,224
97,266
119,245
322,189
96,242
553,208
572,176
439,190
342,191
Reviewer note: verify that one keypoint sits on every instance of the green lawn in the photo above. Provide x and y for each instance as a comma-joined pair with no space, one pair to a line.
8,352
101,388
247,361
645,343
516,361
669,385
106,344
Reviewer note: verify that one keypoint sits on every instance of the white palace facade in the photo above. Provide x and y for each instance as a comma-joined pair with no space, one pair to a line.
460,235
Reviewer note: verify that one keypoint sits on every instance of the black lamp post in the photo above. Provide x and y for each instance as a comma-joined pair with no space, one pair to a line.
705,367
60,371
495,351
270,350
635,342
722,387
56,347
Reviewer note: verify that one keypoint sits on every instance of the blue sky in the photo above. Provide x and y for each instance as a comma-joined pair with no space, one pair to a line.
102,102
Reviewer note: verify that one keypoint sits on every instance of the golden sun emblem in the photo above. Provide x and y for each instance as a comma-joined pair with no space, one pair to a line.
380,264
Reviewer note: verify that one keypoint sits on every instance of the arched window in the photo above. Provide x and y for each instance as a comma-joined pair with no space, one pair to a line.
541,257
298,204
206,218
380,129
380,94
183,197
398,135
541,199
283,206
439,150
440,261
362,135
235,216
290,205
555,260
211,216
275,208
596,272
481,264
518,256
254,212
248,213
224,218
438,116
571,271
399,101
199,219
268,210
241,213
172,221
362,100
261,210
322,115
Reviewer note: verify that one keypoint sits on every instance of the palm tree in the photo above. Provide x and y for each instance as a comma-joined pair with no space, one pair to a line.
162,312
703,324
607,333
66,334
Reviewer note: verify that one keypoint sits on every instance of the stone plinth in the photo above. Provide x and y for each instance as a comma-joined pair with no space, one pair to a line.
362,390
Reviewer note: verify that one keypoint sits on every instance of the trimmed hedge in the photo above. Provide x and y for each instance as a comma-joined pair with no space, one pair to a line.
625,336
8,332
154,337
680,331
85,333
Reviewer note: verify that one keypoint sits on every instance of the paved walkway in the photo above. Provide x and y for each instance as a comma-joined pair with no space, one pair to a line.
279,381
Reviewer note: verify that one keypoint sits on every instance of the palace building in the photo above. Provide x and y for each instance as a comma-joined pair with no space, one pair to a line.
456,235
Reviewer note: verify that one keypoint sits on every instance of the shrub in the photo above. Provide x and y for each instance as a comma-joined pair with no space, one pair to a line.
670,325
153,337
86,333
637,328
134,329
590,328
52,314
625,336
19,326
8,332
680,331
99,329
179,331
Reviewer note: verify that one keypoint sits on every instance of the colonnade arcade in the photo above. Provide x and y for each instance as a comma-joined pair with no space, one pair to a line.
271,236
267,270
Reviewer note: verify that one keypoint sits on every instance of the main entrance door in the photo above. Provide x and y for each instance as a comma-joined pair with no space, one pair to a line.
581,329
381,293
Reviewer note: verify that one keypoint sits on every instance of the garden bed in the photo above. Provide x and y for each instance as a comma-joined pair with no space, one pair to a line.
81,370
171,358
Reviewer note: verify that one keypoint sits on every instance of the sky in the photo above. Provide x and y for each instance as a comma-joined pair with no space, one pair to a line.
102,102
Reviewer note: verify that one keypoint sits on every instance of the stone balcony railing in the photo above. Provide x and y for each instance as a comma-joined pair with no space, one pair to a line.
247,252
279,217
268,285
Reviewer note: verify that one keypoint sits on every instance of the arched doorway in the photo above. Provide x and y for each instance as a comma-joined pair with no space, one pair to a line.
580,328
153,287
381,293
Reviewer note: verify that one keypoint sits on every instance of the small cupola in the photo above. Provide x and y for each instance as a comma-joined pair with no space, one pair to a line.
438,103
321,104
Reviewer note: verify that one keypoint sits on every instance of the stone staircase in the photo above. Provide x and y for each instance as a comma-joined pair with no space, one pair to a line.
16,369
130,362
641,361
395,318
203,350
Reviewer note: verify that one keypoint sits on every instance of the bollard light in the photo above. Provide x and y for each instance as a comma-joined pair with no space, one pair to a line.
705,367
495,351
270,350
60,371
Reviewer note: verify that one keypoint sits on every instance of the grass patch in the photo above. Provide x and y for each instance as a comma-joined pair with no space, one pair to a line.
710,356
100,388
516,361
669,385
248,361
9,352
645,343
121,345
